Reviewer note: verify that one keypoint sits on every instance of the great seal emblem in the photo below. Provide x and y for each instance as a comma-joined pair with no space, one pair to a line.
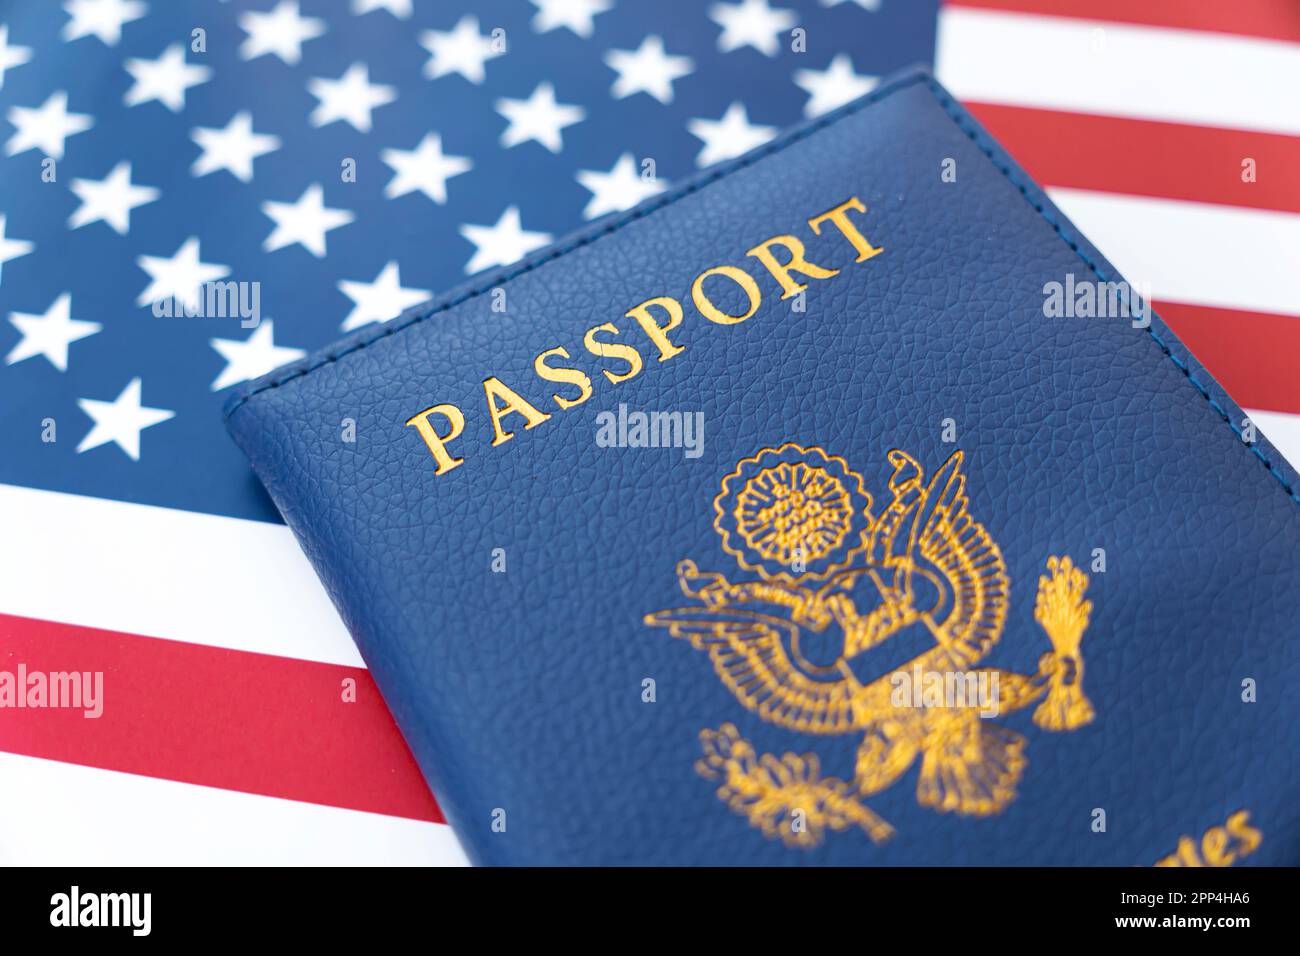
803,522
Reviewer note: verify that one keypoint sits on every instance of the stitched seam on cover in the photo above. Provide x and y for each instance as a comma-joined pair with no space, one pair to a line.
976,137
772,148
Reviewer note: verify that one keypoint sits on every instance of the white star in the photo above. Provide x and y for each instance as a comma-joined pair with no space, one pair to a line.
647,69
462,49
110,199
872,5
381,300
577,15
253,357
751,23
233,148
351,97
165,79
539,117
733,135
181,277
121,420
620,188
45,127
12,248
305,221
11,56
398,8
49,334
834,86
283,31
102,18
425,168
502,244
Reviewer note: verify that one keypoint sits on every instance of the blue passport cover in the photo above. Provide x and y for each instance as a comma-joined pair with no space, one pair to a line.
796,517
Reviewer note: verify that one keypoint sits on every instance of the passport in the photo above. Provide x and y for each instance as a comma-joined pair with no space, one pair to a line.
843,505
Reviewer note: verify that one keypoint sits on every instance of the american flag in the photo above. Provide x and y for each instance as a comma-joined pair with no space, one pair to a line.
344,160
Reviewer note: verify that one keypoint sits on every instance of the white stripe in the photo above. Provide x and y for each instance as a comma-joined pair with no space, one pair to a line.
60,814
159,572
1282,430
1223,256
1180,76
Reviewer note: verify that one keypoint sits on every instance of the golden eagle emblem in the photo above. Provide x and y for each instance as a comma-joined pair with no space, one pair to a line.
835,580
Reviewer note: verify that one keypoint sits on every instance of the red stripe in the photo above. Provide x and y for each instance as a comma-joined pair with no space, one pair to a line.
230,719
1271,19
1253,355
1143,157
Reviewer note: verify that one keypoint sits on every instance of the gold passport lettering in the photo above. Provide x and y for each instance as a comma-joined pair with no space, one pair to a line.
783,257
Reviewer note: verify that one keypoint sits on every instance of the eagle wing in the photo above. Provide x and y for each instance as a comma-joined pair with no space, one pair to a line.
946,537
748,651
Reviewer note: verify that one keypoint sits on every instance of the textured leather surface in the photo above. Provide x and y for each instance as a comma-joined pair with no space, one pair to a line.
522,690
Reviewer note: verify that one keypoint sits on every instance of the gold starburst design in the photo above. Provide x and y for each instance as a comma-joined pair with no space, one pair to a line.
794,511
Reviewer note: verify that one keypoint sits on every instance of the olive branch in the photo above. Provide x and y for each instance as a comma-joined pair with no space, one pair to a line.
783,796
